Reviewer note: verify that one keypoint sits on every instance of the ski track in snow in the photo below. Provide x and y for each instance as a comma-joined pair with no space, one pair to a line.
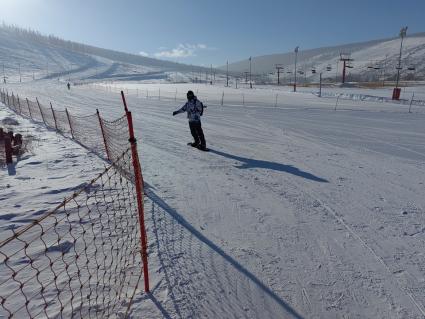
296,212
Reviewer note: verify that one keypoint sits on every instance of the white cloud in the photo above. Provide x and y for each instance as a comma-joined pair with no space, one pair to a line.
143,53
181,51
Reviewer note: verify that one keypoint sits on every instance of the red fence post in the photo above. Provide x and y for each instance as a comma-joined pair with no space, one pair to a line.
54,116
8,149
139,192
103,134
69,121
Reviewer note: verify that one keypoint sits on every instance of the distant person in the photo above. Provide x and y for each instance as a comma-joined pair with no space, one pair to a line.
194,109
69,86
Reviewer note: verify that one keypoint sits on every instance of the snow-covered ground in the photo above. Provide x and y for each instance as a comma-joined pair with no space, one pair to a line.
372,60
274,96
297,211
50,170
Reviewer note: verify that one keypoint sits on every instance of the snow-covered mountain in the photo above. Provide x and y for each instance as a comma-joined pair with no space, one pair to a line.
28,55
371,60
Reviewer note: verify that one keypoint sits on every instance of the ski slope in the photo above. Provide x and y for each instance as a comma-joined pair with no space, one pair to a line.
298,211
383,53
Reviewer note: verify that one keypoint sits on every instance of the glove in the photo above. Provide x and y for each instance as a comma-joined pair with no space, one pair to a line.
174,113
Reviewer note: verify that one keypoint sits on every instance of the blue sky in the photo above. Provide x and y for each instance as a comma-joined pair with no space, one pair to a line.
207,32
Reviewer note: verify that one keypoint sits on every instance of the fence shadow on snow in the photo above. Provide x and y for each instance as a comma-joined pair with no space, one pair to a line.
201,279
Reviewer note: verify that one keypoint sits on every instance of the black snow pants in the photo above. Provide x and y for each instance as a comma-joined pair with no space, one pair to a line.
197,133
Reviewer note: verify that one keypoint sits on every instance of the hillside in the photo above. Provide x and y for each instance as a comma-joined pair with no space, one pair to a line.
368,57
27,55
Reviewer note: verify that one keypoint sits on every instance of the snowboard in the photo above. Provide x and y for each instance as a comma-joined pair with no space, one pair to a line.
203,150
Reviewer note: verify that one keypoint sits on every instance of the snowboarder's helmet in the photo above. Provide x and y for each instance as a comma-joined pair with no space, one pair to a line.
190,95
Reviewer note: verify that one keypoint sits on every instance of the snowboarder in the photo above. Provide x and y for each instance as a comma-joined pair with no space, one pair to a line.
194,109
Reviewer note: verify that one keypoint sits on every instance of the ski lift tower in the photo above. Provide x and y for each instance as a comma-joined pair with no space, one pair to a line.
279,67
344,57
396,90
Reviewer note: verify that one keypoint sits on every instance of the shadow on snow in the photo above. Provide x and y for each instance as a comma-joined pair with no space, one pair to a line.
202,280
252,163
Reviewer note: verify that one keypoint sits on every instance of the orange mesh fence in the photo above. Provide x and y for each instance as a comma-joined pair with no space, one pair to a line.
87,131
81,259
84,258
34,110
115,133
48,117
62,122
106,138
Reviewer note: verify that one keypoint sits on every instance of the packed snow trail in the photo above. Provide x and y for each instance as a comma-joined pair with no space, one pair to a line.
297,211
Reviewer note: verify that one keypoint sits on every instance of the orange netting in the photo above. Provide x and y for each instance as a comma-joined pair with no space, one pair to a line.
81,259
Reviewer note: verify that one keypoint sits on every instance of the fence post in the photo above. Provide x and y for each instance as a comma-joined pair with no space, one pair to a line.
337,99
159,94
320,87
54,116
41,112
13,101
69,121
243,99
411,102
103,134
175,96
8,101
139,192
137,92
147,93
8,149
222,99
19,105
275,103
